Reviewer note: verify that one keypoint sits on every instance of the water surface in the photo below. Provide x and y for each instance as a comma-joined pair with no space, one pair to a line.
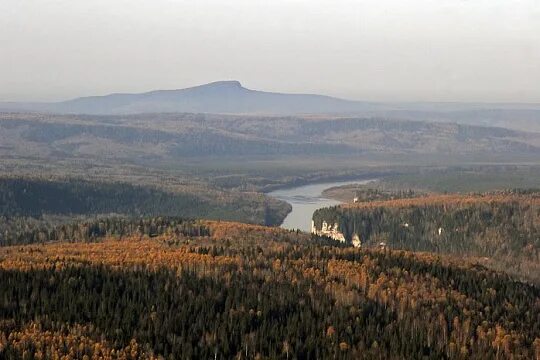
305,200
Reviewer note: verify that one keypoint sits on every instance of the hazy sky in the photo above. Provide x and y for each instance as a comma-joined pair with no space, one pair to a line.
463,50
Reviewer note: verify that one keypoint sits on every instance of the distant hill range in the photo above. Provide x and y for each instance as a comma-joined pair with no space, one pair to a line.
230,97
216,97
165,137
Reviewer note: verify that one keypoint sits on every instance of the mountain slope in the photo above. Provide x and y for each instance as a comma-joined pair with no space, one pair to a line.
216,97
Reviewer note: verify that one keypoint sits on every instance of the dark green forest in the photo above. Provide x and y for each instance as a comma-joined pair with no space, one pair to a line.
34,198
501,226
29,197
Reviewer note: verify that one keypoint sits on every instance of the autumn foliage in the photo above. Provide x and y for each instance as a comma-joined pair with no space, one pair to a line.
244,292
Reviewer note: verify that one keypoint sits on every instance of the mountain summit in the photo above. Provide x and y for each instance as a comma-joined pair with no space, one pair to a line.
231,97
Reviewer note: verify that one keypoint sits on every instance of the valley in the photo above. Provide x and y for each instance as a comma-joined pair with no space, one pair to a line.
189,235
305,200
269,180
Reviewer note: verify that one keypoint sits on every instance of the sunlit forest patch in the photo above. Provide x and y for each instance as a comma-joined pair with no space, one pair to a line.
199,289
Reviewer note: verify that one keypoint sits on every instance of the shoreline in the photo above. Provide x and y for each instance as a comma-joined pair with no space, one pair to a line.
306,199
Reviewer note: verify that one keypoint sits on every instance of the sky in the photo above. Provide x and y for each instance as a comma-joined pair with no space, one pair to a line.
377,50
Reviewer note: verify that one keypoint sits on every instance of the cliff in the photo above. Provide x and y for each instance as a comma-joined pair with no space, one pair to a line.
332,231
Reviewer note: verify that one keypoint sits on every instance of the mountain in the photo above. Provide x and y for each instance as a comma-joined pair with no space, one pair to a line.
230,97
216,97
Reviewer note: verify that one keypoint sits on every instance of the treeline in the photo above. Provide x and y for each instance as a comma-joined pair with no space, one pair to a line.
364,193
370,194
257,298
20,230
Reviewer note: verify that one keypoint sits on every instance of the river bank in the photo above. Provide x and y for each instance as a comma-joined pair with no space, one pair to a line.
306,199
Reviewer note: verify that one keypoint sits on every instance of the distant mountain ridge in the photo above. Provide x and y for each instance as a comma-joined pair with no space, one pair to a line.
215,97
230,97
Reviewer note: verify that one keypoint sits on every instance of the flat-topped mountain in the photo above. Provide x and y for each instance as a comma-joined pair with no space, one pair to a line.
231,97
215,97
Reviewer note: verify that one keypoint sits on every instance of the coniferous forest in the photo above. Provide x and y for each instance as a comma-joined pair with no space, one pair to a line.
182,289
502,228
36,197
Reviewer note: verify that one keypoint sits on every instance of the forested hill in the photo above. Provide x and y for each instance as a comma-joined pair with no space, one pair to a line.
156,138
226,290
36,197
503,227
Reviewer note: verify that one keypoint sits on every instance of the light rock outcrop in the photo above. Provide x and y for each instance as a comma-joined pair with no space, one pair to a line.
330,230
356,241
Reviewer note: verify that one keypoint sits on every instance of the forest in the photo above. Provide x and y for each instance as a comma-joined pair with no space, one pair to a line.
166,136
25,231
210,289
503,227
22,198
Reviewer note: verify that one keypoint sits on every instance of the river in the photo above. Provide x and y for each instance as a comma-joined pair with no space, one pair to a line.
305,200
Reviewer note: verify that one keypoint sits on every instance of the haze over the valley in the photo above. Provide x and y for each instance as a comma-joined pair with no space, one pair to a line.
418,50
